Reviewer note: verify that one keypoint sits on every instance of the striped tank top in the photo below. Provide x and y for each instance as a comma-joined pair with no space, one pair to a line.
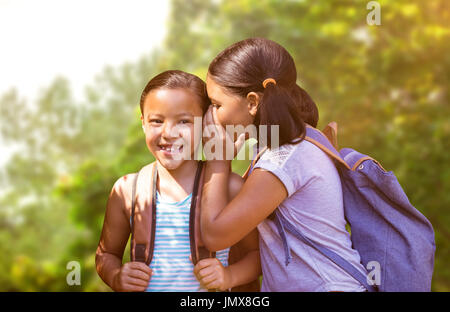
172,269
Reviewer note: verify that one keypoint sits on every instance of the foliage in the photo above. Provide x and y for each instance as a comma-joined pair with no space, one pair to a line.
387,86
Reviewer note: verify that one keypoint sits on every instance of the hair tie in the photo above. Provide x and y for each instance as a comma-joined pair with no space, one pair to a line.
267,81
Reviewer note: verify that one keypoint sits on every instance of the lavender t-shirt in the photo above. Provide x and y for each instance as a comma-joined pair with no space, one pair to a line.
314,206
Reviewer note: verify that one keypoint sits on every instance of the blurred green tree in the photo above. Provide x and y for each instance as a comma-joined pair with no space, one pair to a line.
387,86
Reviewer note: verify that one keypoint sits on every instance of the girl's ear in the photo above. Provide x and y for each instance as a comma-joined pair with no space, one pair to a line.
253,100
142,121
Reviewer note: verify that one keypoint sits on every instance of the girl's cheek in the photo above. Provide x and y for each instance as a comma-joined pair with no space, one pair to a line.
152,137
228,116
153,133
187,135
196,137
221,116
192,137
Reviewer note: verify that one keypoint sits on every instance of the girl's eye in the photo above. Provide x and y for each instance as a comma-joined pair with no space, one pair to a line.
216,106
153,121
184,121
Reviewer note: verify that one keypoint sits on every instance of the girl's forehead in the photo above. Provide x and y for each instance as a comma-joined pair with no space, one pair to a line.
213,89
218,93
172,102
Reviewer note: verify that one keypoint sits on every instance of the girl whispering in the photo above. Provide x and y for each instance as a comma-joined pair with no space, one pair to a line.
254,82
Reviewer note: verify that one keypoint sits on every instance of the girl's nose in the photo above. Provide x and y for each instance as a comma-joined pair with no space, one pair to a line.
169,131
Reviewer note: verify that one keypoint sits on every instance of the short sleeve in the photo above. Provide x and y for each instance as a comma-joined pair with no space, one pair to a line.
277,162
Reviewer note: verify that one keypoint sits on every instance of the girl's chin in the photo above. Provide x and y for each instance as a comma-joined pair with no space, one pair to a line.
170,164
171,161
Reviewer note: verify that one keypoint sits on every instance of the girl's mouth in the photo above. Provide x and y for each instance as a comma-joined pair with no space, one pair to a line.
170,149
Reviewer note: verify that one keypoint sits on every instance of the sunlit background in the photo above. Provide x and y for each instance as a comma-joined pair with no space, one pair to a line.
71,74
41,40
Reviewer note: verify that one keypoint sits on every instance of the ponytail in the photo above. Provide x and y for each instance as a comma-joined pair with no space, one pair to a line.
279,107
307,108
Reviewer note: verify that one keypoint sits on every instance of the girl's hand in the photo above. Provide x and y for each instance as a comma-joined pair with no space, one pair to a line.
217,143
212,274
133,276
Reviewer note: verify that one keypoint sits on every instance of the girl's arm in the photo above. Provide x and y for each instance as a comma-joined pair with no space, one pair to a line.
224,223
211,273
248,268
132,276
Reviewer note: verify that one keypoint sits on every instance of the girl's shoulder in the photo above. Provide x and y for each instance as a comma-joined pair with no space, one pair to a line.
125,183
123,187
302,151
281,154
295,165
122,192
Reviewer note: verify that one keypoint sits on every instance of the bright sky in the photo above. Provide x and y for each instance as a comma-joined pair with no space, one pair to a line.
73,38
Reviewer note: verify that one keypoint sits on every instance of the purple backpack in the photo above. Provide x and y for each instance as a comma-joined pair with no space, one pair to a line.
395,241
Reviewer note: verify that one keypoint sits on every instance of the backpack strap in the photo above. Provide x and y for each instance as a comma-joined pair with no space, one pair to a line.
252,164
198,250
330,131
320,140
133,205
326,141
354,158
282,223
143,215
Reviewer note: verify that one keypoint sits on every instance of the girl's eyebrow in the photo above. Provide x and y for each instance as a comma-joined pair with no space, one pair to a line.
149,115
214,100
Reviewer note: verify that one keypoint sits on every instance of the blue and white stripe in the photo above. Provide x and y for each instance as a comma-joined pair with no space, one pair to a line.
172,269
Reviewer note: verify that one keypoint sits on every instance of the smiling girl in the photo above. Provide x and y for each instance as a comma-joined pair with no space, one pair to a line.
169,105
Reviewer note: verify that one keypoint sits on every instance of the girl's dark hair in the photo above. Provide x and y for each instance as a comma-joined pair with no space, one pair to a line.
177,79
242,68
308,109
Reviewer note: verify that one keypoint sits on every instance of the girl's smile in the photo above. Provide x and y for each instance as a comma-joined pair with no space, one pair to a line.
169,150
